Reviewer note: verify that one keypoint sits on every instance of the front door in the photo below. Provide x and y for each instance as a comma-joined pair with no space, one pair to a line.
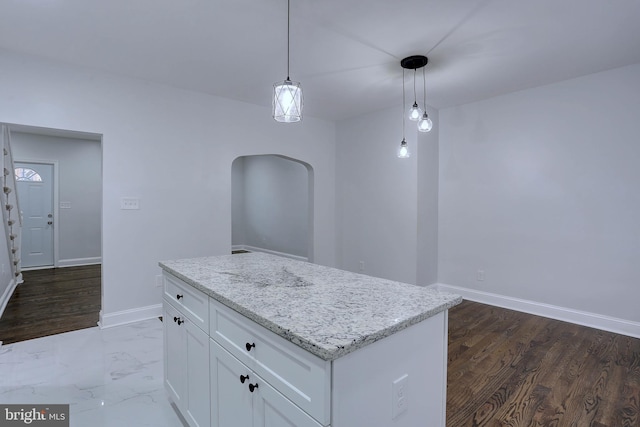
34,182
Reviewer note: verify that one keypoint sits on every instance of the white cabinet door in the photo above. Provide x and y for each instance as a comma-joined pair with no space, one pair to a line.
196,406
252,403
272,409
231,399
174,355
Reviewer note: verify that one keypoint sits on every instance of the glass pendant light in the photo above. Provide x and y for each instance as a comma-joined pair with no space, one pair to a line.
287,101
425,124
415,112
403,150
287,95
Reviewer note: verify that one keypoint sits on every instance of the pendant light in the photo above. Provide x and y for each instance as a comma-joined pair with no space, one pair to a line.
425,124
403,150
287,95
415,112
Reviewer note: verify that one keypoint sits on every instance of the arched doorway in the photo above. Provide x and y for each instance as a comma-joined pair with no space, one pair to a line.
272,205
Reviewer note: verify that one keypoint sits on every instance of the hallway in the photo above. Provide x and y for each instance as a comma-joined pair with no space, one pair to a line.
52,301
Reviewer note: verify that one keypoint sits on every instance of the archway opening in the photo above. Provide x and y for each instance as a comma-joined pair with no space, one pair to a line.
272,205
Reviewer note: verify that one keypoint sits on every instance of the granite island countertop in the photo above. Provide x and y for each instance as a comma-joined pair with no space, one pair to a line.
327,311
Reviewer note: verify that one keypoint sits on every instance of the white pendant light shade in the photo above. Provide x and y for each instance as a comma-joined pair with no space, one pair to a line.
403,150
425,124
415,112
287,102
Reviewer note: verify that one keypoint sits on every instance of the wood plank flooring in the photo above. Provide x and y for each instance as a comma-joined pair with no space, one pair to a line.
513,369
52,301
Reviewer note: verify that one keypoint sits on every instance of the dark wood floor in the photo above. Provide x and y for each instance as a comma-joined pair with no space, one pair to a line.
52,301
512,369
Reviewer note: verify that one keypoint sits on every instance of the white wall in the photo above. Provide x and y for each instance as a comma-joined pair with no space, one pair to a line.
377,196
274,211
80,184
171,148
238,237
539,189
427,252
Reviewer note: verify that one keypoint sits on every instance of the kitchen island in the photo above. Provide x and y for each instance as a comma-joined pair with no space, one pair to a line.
260,340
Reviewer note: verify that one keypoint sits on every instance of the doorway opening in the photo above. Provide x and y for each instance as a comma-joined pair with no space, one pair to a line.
272,206
59,190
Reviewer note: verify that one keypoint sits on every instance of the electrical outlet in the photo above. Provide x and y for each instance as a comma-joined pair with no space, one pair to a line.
158,280
480,275
361,266
399,397
130,203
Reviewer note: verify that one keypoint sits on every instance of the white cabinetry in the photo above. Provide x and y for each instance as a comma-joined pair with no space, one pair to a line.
174,354
222,369
241,398
186,350
301,377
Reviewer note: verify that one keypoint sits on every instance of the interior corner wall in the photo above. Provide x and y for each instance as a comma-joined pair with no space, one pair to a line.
169,148
377,197
238,237
428,163
539,190
80,186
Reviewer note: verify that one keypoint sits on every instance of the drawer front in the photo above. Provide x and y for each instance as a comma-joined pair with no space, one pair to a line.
190,301
299,375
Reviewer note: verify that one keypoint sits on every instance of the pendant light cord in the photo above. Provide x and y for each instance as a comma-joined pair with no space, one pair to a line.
415,98
403,101
424,85
288,32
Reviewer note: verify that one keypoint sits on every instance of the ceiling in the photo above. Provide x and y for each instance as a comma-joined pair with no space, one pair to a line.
346,53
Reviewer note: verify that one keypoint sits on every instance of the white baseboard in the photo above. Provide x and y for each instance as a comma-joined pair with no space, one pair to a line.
6,296
592,320
125,317
268,251
77,262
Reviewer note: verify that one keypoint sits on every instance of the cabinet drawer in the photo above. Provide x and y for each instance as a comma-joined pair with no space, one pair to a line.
191,302
299,375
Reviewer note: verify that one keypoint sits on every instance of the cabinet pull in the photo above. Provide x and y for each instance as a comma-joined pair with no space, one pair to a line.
252,387
178,296
249,346
178,320
243,378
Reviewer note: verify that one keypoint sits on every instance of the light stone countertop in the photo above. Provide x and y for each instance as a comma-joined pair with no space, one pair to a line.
326,311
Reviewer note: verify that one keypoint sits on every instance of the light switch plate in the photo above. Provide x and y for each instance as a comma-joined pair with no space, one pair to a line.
129,203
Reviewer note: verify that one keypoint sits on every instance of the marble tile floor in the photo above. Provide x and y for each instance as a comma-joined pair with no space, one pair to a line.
110,378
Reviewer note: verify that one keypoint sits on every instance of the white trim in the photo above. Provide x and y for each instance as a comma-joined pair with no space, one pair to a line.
6,296
133,315
40,267
76,262
268,251
592,320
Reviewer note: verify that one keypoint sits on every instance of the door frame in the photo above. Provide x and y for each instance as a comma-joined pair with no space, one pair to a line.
56,236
